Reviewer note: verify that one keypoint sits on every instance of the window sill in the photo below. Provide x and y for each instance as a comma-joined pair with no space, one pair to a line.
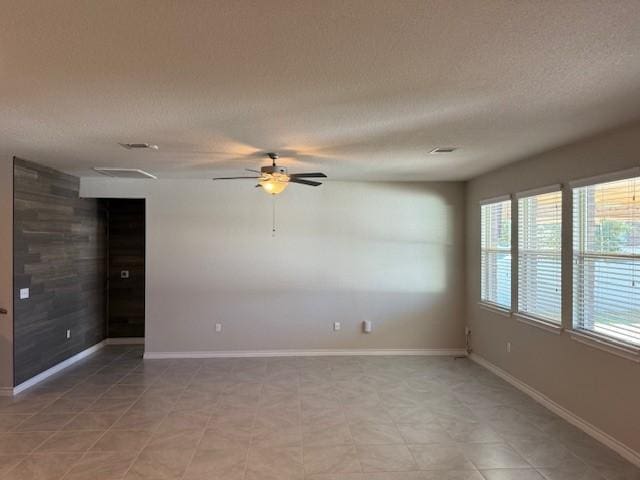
539,323
492,307
606,344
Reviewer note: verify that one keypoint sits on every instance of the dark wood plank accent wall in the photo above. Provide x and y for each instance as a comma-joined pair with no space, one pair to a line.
126,226
59,254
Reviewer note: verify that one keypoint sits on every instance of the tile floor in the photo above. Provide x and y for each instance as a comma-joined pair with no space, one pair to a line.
115,416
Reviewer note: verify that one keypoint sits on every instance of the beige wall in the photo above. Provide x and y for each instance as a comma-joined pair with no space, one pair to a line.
599,387
6,271
392,253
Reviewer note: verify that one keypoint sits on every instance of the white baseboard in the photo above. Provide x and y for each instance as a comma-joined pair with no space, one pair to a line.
125,341
582,424
55,369
303,353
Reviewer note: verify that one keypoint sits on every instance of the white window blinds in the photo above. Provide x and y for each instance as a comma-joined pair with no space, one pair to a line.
606,271
539,256
495,267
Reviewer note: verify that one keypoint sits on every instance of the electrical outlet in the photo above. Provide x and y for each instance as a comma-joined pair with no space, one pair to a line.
24,293
68,333
467,330
218,327
124,273
508,347
336,326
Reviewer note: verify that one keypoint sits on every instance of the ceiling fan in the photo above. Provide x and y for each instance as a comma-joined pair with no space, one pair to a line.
274,179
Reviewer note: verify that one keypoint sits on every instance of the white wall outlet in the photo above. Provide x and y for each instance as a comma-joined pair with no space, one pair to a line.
467,330
336,326
124,273
24,293
367,326
508,347
218,327
68,333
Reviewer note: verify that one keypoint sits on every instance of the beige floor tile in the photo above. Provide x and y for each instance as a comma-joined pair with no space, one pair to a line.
493,455
465,431
43,422
256,415
10,422
70,405
183,421
545,454
369,433
160,464
430,432
21,443
575,472
386,458
323,416
7,462
331,459
175,440
223,464
140,420
280,436
122,441
46,466
326,434
92,421
70,441
239,417
440,457
100,466
226,436
275,464
512,474
453,475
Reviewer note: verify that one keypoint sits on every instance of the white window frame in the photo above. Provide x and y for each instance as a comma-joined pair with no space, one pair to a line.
587,337
488,304
527,317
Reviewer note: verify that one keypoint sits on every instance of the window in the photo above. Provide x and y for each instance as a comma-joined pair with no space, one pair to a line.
539,256
606,280
495,267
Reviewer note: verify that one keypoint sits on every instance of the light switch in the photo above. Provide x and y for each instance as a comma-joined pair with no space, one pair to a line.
218,327
24,293
124,273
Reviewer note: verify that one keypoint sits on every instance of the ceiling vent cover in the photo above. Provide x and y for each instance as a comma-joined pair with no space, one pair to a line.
139,146
443,150
124,172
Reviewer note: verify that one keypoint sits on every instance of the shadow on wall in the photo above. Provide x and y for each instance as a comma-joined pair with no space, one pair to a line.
359,237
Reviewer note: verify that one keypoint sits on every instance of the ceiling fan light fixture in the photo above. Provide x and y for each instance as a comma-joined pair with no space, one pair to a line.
273,186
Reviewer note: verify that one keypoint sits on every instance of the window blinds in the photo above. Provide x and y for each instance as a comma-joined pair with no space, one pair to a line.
495,269
539,256
606,256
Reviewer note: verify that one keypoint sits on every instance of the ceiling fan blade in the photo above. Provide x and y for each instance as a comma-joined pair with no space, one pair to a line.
234,178
251,170
303,182
308,175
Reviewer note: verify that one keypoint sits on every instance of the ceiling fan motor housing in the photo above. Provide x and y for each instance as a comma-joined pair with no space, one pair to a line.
271,169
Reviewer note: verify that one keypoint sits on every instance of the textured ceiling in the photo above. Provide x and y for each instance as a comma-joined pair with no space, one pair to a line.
358,89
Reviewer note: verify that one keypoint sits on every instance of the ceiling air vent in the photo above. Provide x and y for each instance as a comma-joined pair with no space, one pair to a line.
139,146
124,172
443,150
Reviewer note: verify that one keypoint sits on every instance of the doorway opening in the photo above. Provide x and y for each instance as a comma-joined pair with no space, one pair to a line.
126,247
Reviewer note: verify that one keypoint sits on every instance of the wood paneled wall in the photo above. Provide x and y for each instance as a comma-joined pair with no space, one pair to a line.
126,226
59,254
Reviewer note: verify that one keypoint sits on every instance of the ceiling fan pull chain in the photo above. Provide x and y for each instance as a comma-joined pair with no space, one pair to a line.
273,226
